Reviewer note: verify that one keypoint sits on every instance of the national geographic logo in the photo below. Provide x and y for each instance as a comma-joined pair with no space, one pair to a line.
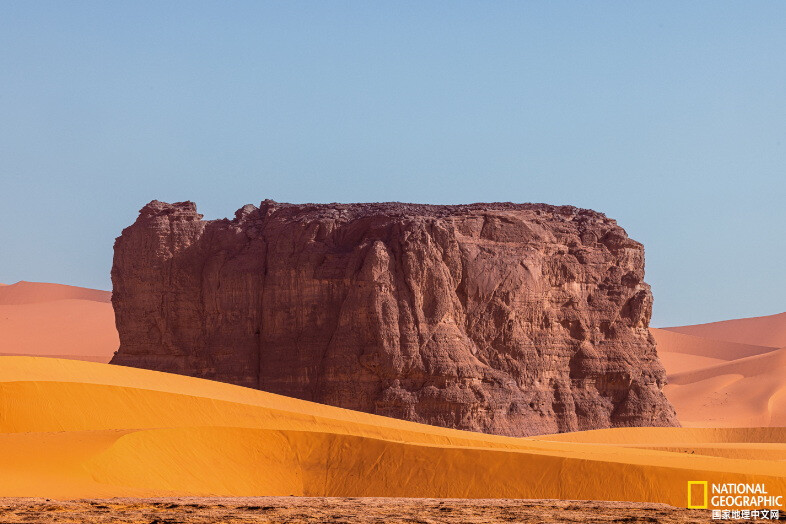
734,501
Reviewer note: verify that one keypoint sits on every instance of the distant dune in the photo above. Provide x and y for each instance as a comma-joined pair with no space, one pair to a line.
37,292
727,374
74,429
680,352
761,331
57,320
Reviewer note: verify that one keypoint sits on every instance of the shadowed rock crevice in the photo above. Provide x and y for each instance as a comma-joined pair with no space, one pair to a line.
516,319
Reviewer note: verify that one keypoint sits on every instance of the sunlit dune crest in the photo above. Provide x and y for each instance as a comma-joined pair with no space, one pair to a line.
74,429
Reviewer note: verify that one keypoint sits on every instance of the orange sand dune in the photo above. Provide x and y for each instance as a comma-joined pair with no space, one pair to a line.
761,331
73,429
679,352
729,380
57,320
742,392
673,342
37,292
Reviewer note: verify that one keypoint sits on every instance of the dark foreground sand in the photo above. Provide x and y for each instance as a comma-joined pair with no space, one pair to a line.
337,510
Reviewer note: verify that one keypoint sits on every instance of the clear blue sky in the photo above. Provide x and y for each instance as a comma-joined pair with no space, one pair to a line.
668,116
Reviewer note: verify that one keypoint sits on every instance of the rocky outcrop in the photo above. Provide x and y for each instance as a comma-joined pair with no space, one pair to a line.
515,319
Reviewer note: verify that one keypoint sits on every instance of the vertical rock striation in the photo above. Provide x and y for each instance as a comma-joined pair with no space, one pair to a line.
515,319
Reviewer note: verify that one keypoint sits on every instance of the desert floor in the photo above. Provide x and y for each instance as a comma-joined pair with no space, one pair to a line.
338,511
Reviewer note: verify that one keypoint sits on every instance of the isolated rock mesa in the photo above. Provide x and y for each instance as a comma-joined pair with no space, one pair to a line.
514,319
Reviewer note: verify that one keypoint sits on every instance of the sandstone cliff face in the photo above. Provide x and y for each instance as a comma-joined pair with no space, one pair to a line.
502,318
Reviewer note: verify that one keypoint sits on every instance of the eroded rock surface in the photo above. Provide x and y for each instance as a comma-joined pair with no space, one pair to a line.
515,319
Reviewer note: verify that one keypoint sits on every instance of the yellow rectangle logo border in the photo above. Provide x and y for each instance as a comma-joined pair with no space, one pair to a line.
692,483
